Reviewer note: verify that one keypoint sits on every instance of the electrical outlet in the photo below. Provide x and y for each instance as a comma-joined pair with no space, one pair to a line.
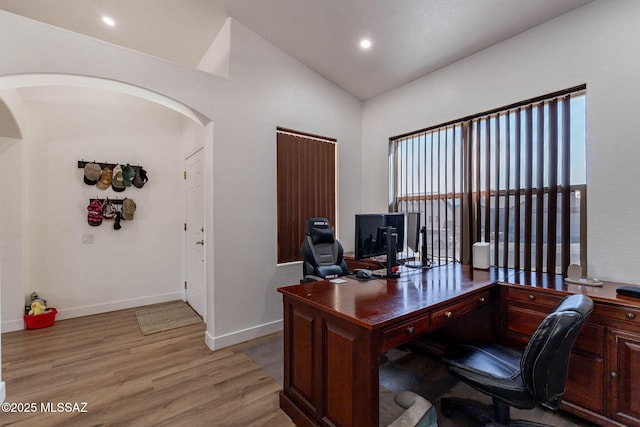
87,238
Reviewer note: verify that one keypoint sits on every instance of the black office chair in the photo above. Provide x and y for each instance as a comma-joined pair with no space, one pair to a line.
523,380
322,254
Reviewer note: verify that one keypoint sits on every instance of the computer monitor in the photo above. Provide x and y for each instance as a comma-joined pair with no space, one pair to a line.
413,231
380,234
368,241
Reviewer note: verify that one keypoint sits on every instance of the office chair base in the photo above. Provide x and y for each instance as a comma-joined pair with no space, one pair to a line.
495,415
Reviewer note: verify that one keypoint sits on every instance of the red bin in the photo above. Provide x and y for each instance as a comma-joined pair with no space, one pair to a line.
41,320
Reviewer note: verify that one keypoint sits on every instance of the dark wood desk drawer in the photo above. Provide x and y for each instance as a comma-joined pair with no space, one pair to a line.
450,312
532,297
523,322
631,316
405,332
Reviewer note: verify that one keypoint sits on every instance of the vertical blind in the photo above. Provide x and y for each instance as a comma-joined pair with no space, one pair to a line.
514,177
427,179
306,171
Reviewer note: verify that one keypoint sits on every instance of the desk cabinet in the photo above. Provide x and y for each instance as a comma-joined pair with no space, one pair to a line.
624,371
602,383
331,372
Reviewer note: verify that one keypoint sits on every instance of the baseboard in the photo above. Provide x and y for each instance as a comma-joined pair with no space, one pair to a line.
3,392
216,343
69,313
12,325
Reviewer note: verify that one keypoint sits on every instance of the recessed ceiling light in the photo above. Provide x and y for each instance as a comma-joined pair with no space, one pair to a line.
365,43
108,21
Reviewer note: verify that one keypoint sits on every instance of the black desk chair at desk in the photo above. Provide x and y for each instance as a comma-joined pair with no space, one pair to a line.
322,254
526,379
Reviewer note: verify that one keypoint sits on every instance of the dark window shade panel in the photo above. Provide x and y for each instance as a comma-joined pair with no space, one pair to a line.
306,188
518,186
565,233
528,192
539,195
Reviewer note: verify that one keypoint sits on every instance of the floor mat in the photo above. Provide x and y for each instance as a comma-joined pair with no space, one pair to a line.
165,317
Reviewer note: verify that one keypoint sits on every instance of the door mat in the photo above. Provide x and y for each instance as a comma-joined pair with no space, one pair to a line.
165,317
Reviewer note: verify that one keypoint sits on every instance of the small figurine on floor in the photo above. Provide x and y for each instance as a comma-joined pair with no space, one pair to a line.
38,305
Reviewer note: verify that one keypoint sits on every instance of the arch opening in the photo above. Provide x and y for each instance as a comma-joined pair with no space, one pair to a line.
18,81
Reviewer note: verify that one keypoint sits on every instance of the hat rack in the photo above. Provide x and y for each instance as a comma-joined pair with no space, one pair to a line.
114,201
83,163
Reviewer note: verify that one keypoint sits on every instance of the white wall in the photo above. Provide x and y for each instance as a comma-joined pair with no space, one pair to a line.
12,189
216,59
11,234
596,44
266,89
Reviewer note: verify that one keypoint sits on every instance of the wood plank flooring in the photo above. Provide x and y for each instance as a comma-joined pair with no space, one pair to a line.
166,379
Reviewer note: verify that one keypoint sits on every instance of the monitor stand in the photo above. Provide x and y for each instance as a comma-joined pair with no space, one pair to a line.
413,264
424,262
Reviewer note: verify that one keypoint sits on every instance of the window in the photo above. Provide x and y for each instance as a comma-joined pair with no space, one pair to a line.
514,177
306,171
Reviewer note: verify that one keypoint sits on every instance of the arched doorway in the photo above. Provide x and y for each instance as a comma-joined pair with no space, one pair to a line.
91,83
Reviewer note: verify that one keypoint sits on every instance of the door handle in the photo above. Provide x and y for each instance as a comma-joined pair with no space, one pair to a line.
200,242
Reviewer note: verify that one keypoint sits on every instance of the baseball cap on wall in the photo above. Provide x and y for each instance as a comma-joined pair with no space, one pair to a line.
141,177
127,174
94,215
108,210
92,172
128,209
105,179
117,182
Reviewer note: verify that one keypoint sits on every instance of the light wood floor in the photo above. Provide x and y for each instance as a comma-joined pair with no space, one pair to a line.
125,378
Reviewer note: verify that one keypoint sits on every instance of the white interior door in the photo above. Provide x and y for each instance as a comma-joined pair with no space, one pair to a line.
194,269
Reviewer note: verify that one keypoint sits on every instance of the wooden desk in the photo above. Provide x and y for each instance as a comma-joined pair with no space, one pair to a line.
335,333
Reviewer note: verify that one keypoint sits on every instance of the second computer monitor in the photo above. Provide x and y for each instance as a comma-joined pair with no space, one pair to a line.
413,231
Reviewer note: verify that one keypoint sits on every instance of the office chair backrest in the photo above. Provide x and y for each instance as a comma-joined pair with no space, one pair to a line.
321,252
545,360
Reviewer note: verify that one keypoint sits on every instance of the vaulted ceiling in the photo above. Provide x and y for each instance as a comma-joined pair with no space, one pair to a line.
410,38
